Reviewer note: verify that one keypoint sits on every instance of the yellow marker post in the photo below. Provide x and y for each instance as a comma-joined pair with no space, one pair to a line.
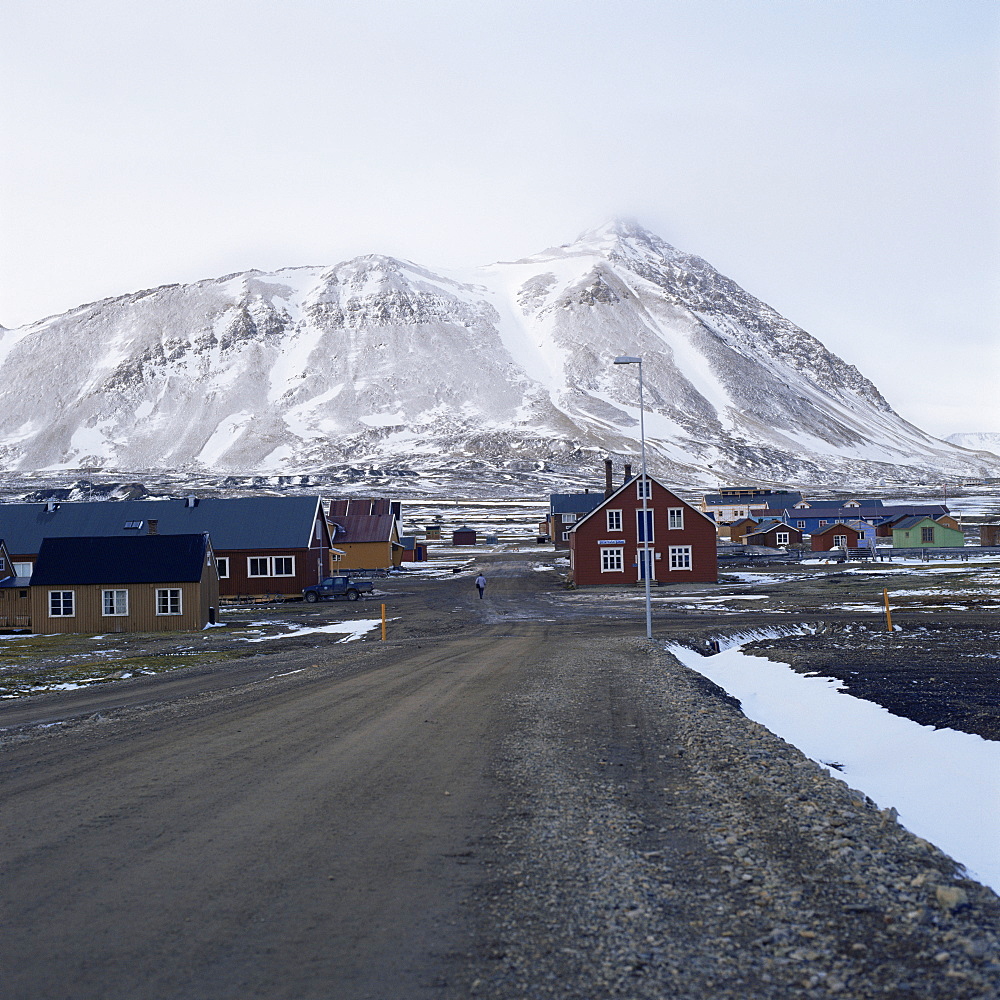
888,616
383,623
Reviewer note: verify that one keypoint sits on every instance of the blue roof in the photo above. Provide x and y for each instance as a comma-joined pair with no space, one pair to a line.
142,559
575,503
239,523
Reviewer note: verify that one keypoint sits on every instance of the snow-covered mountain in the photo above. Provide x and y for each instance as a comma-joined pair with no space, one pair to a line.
382,360
977,441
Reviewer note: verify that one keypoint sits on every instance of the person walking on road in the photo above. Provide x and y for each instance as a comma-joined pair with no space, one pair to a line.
480,585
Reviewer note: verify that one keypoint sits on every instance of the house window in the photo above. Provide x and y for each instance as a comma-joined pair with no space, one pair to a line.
614,520
644,488
62,603
644,525
114,603
781,537
675,517
569,518
222,565
821,523
133,524
3,565
612,560
680,556
271,566
840,541
565,536
927,534
283,566
168,601
800,524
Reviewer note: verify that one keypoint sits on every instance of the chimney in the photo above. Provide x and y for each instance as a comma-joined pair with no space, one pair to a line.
153,527
191,502
608,486
628,472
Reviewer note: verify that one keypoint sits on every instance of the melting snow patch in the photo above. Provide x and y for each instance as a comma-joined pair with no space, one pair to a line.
350,630
943,782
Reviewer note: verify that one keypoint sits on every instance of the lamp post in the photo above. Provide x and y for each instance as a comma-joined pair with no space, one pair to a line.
646,562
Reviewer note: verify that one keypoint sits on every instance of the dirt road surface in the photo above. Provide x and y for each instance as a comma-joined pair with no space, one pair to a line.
509,798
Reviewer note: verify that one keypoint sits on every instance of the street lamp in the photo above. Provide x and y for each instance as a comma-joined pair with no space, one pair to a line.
646,562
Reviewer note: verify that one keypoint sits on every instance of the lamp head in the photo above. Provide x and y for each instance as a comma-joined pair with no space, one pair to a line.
626,359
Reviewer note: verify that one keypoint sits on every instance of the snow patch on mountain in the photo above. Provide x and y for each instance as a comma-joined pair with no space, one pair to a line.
977,440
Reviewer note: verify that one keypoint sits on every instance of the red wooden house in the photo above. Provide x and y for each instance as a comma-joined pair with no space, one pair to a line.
837,536
606,545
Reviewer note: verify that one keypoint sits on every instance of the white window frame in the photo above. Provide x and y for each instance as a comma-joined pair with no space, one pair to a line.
675,517
269,565
612,559
680,557
274,563
823,524
650,523
614,520
3,565
114,603
565,536
648,483
569,518
781,538
800,524
59,610
22,568
840,541
166,598
222,563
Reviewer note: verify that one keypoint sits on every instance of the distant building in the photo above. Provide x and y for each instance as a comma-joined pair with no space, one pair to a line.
733,502
925,533
607,546
565,509
773,533
463,536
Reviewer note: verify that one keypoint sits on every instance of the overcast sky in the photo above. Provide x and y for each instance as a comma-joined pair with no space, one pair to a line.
838,159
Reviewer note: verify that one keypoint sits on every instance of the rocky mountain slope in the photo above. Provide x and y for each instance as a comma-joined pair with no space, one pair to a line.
382,360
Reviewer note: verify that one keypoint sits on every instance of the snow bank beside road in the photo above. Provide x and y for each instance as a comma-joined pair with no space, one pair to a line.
945,784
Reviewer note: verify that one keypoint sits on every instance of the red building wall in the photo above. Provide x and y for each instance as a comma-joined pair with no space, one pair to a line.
693,542
822,541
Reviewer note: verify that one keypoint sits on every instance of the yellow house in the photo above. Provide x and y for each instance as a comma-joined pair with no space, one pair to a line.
365,542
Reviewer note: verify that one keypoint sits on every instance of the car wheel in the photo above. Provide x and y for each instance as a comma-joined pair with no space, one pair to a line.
311,597
352,595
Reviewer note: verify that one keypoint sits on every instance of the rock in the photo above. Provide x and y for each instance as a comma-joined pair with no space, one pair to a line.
951,897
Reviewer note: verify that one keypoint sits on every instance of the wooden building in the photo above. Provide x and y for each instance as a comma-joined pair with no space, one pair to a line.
607,546
840,535
264,545
925,533
149,583
463,536
737,531
773,533
365,530
989,534
565,509
15,603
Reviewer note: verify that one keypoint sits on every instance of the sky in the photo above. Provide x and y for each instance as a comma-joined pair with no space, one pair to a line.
836,158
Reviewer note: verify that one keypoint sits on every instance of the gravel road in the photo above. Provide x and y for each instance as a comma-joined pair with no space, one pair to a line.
512,798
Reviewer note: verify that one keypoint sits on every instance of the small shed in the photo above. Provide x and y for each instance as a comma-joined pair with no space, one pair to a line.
414,550
989,534
463,536
738,530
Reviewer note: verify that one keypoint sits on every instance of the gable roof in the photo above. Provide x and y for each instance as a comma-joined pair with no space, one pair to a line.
575,503
237,523
363,528
624,486
142,559
911,522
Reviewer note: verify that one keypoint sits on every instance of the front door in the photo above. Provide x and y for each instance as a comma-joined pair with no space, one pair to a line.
640,562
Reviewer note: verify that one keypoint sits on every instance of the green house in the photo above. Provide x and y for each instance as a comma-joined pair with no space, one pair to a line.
925,533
